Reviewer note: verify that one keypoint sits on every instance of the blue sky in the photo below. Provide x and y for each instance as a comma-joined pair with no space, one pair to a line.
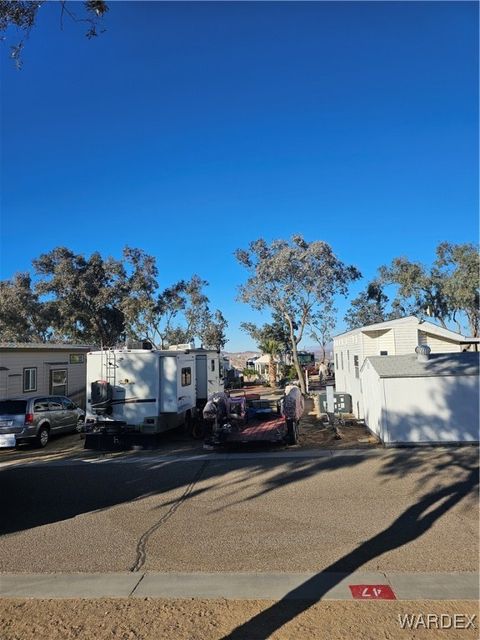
190,129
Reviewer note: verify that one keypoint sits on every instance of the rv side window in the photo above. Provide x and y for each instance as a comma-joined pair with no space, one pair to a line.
213,365
186,377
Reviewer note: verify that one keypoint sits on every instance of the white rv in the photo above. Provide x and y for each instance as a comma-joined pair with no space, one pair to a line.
209,371
149,390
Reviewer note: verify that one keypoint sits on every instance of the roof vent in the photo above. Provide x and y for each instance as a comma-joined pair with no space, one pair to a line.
423,352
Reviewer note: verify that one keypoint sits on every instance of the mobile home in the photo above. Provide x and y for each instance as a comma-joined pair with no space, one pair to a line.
390,338
28,369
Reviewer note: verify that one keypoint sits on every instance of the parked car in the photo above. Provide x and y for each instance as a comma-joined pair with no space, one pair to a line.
38,418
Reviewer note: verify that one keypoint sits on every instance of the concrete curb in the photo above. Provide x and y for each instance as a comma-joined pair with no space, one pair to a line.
239,586
146,459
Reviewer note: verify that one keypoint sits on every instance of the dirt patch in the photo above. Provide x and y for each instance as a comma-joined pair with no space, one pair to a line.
152,619
315,433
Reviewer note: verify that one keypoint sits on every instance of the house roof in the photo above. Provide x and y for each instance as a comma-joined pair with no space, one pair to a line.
423,325
43,346
438,364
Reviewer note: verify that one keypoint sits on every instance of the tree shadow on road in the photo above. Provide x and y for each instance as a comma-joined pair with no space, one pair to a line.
411,524
33,496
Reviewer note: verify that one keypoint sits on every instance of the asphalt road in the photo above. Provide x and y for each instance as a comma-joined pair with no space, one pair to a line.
395,511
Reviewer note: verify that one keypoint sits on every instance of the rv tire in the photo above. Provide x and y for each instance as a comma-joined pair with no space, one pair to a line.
188,422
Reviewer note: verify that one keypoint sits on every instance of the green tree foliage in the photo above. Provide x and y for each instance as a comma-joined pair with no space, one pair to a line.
19,17
292,279
419,289
444,291
178,314
87,294
22,317
102,301
276,330
249,373
212,333
460,266
371,306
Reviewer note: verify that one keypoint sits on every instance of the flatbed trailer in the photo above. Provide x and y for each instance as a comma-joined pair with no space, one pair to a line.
255,431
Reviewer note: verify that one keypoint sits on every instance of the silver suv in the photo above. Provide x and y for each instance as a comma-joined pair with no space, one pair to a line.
36,419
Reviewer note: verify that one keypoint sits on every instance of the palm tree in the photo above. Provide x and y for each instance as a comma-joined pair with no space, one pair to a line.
271,348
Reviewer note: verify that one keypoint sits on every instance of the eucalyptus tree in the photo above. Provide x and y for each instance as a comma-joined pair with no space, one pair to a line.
420,289
322,325
213,330
293,278
444,291
85,293
19,17
460,265
23,318
176,314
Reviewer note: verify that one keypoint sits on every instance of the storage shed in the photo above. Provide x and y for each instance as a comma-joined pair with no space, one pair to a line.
390,338
422,398
28,369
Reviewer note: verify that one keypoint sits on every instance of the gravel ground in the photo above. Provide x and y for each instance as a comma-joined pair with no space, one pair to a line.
216,619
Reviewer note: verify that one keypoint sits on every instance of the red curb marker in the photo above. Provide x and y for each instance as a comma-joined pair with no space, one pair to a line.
372,591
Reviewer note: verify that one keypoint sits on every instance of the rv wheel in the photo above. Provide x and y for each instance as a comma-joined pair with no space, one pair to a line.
188,423
198,429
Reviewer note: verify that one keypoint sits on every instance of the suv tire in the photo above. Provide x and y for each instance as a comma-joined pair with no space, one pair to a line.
43,437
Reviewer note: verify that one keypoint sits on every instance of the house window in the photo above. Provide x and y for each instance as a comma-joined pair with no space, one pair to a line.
384,353
355,364
77,358
58,382
341,358
30,379
212,365
348,361
186,377
336,361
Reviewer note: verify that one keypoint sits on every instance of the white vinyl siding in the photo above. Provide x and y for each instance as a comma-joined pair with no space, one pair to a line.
406,339
438,344
399,338
377,341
